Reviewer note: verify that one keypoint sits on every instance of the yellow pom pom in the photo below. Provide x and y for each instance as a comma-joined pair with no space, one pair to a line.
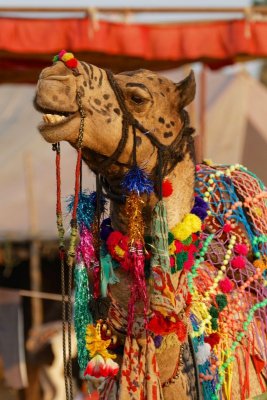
119,251
209,162
181,231
172,248
193,222
67,57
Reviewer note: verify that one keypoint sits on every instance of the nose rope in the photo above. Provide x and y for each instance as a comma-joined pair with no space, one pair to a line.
67,313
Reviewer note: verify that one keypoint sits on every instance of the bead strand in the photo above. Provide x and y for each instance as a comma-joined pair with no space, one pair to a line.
258,240
193,273
222,270
235,344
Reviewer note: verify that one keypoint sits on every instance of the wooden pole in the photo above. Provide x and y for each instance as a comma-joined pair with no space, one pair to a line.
200,139
126,10
35,258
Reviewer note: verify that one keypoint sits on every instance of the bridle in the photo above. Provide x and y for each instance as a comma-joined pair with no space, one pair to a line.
168,155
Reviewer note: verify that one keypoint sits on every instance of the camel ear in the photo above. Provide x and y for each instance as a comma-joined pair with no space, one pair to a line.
187,90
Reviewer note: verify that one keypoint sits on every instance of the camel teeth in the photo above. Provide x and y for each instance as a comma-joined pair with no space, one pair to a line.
53,118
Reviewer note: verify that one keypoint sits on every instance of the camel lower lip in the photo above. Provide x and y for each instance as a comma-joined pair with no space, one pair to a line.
46,126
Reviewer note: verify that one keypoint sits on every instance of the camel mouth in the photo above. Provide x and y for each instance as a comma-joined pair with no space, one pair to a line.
55,119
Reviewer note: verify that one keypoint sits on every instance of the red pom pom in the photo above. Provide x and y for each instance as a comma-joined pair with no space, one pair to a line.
238,262
179,246
189,263
241,249
72,63
227,228
212,339
167,188
116,238
226,285
198,168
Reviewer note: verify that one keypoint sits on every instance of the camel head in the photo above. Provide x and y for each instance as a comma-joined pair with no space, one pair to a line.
155,102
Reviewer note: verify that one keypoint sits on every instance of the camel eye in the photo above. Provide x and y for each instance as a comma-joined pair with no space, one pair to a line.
136,99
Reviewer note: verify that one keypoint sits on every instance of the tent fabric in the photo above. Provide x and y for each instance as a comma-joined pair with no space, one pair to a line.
236,129
221,40
27,164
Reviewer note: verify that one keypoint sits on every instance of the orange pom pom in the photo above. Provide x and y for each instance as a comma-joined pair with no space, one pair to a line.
167,188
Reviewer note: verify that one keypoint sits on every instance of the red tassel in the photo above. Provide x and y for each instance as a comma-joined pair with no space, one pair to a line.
138,288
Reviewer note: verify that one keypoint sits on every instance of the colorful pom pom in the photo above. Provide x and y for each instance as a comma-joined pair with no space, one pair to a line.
221,301
203,353
193,222
181,231
72,63
167,189
200,208
238,262
214,312
241,249
67,58
226,285
55,58
61,54
227,228
213,339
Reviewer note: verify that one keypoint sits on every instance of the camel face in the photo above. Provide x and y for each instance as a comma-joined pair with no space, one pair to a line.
154,101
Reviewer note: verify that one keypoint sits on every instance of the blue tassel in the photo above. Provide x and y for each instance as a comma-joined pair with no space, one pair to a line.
136,180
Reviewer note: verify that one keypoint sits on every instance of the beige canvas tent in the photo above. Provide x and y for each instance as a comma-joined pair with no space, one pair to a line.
27,165
236,121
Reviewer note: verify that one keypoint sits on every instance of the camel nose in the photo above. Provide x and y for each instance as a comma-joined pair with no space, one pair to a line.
57,71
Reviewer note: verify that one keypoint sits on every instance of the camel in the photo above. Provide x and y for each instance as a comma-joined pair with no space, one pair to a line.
153,110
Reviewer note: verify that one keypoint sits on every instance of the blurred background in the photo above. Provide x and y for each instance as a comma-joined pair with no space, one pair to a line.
224,43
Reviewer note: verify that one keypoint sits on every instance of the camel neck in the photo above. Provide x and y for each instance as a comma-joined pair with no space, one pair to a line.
178,204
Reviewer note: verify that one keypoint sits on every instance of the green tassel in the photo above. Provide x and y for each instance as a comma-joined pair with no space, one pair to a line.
82,316
159,233
107,273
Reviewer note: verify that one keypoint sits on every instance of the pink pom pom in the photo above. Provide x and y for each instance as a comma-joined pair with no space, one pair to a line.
238,262
227,228
241,249
167,188
61,54
226,285
198,168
